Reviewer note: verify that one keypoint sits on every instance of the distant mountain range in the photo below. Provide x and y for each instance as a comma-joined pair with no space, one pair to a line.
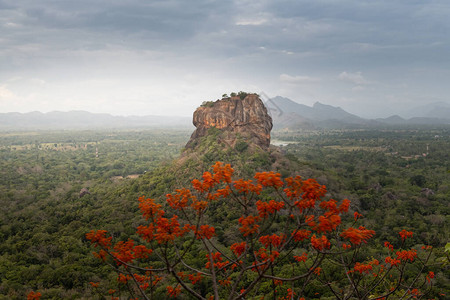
285,114
85,120
290,114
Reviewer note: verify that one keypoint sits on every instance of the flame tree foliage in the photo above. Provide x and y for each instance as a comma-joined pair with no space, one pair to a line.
286,240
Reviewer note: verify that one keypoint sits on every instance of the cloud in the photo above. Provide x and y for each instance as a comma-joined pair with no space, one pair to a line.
284,78
6,94
355,78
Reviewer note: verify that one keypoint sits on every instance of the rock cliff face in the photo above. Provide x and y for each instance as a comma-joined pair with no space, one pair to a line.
245,119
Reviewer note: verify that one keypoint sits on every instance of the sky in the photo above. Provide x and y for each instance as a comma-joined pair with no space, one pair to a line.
373,58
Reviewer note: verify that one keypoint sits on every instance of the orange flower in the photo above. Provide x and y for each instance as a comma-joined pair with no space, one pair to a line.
300,235
217,260
406,255
98,238
167,229
269,179
140,251
415,293
249,225
294,187
364,268
173,292
328,222
317,271
94,284
392,261
301,258
123,251
273,240
312,190
34,296
344,206
238,248
320,243
100,255
220,193
266,208
357,215
405,234
146,232
180,199
346,246
123,278
389,245
430,276
195,278
222,173
149,209
205,232
357,236
247,186
199,206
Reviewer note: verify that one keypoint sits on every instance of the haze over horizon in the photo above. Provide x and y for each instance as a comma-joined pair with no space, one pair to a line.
371,58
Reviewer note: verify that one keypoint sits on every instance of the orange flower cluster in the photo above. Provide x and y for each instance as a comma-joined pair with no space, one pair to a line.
263,259
269,179
121,278
34,295
266,208
169,229
205,232
145,281
126,252
173,292
346,246
301,234
238,248
249,225
149,209
320,243
415,293
290,295
180,199
164,230
195,278
219,193
406,254
272,240
405,234
225,282
247,186
222,173
364,268
357,236
98,238
301,258
389,245
357,216
392,261
430,276
217,260
306,192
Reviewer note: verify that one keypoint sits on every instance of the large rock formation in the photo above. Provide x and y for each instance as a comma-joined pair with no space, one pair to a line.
237,119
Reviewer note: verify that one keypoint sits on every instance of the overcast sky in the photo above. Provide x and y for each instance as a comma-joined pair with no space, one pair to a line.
143,57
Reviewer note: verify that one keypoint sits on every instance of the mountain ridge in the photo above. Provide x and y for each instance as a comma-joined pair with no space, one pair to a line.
285,113
80,119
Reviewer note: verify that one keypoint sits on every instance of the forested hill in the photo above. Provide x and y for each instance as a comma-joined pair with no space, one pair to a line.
85,120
